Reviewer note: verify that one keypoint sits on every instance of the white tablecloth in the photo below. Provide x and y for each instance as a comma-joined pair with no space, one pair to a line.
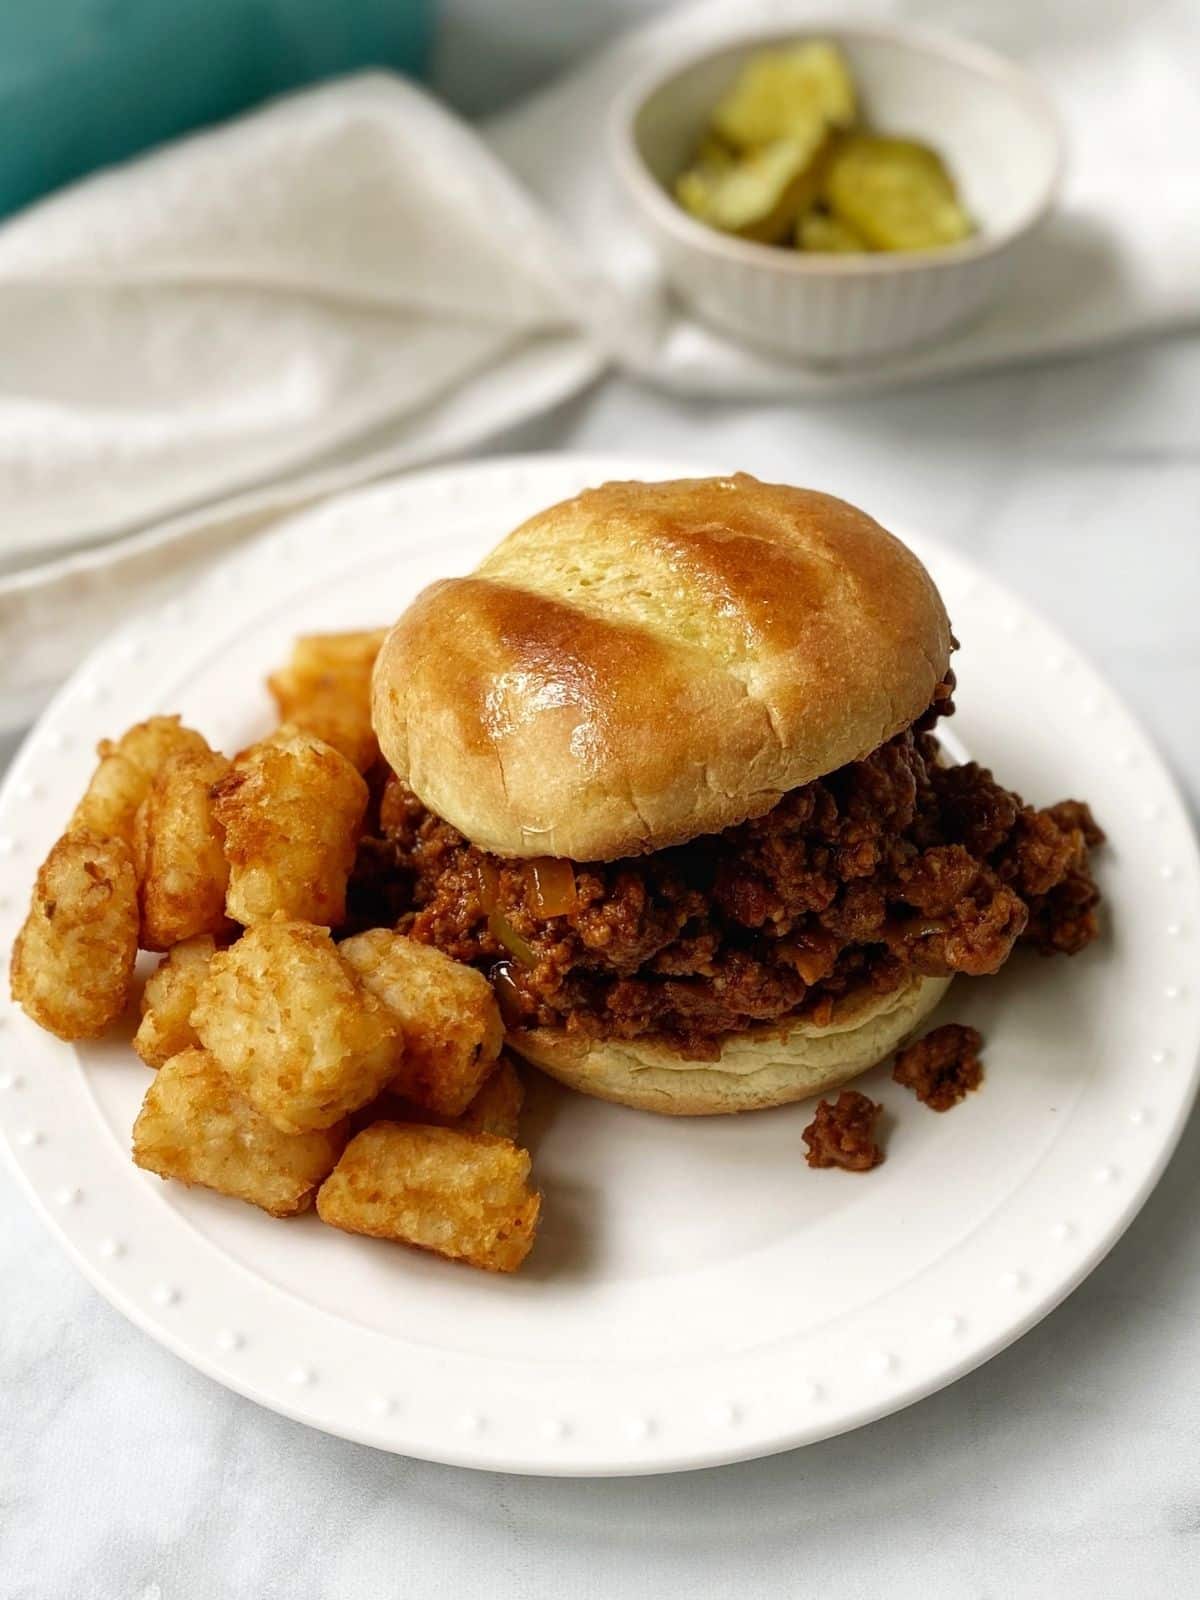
1065,1468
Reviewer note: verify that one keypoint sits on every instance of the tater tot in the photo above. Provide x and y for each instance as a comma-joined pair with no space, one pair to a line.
447,1013
299,1036
193,1127
168,999
72,963
119,784
182,872
291,811
495,1109
112,797
148,744
461,1195
326,690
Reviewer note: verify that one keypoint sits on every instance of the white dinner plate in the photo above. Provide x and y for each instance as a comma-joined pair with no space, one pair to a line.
697,1294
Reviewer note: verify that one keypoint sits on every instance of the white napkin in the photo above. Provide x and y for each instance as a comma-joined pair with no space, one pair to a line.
246,304
351,281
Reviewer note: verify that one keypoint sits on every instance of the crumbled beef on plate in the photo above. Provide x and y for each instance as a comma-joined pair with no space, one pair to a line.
943,1067
842,1133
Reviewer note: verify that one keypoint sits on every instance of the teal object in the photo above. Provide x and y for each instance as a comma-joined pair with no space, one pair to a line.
84,83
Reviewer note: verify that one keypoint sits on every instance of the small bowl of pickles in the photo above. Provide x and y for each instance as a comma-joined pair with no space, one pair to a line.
840,194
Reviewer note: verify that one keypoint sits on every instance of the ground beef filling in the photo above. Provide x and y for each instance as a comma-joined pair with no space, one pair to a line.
943,1067
842,1134
889,867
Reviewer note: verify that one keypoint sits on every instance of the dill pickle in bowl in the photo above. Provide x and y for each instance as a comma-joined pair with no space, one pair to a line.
840,196
817,230
759,194
895,194
779,92
786,159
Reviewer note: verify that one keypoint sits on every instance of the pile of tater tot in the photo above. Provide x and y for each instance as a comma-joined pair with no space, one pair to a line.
297,1058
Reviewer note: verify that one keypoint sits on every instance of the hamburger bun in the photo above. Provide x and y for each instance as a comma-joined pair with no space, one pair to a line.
649,662
767,1066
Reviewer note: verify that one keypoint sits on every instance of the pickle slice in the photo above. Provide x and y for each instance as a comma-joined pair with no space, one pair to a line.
895,193
817,230
779,93
712,153
759,195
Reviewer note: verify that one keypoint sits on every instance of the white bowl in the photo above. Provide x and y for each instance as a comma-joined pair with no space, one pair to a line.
989,119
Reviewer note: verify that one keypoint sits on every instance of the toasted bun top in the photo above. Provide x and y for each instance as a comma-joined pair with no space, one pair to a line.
653,661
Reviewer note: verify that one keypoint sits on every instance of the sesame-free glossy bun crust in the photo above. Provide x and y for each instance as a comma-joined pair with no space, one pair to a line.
771,1065
649,662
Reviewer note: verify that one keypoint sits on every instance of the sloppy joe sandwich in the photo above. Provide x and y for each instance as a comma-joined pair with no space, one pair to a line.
666,770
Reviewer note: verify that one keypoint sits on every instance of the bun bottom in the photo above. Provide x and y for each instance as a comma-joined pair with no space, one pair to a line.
766,1066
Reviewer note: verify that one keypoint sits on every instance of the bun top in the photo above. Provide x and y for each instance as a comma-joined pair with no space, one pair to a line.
653,661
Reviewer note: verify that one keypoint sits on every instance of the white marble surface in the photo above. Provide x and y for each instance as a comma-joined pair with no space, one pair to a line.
1067,1467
